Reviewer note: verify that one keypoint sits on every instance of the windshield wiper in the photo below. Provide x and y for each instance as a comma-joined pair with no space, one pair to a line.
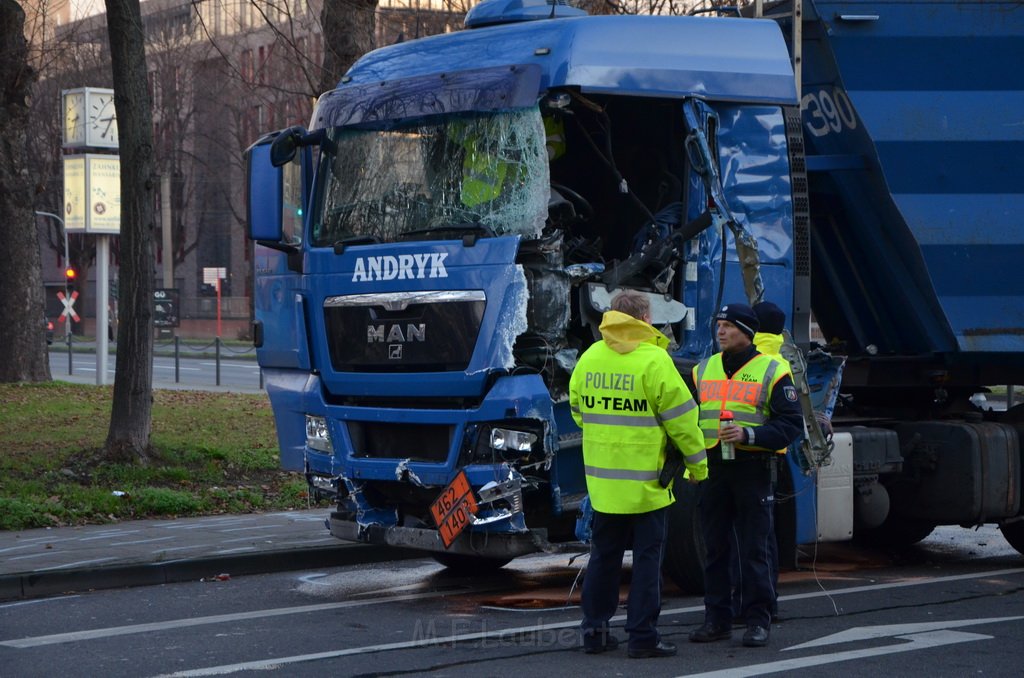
340,245
469,231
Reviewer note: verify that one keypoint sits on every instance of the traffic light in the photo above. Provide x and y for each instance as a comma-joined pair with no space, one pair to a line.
70,273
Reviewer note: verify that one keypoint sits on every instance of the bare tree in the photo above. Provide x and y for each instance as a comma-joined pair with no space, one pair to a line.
348,28
21,286
65,56
131,410
174,48
663,7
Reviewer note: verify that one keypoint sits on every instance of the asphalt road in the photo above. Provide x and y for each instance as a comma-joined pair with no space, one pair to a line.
953,606
242,376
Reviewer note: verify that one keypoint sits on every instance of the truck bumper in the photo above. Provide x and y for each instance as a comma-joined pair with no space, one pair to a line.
487,545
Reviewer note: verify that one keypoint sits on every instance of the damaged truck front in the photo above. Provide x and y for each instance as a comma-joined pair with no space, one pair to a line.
437,249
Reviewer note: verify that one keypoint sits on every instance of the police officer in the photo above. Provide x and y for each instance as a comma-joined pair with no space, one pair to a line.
627,396
768,340
772,320
736,502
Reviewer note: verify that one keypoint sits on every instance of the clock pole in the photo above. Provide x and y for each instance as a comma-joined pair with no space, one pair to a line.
91,123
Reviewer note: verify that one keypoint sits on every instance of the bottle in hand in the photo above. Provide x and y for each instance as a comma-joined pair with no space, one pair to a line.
728,449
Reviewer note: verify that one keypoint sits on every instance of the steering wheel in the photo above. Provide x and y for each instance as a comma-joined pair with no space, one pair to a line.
583,209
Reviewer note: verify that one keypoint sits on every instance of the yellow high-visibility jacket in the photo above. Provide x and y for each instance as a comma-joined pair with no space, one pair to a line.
627,396
769,344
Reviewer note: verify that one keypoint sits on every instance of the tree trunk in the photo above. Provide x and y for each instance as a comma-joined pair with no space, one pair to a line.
348,27
22,309
131,411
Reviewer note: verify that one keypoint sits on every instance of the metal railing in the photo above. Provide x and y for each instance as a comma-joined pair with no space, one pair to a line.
177,350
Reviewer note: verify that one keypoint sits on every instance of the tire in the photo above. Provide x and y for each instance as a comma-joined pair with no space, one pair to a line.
460,563
685,553
895,532
1013,533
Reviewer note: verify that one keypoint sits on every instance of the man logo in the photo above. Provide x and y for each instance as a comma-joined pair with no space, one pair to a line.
394,333
395,352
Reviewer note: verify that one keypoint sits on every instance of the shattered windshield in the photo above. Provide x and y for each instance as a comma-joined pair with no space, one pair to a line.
486,173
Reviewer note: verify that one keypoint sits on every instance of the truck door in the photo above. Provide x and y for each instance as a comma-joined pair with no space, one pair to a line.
277,211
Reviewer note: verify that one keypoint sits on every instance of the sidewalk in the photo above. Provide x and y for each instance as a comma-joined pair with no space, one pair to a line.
49,561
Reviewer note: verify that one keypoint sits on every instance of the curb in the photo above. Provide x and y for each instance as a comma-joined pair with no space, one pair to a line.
52,582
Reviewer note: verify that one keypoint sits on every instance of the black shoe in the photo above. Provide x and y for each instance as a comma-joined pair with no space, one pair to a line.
709,633
756,636
662,649
592,644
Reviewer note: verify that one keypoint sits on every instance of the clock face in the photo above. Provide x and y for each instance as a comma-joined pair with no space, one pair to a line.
102,124
74,118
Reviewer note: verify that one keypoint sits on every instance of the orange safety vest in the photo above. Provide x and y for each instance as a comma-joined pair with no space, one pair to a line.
746,395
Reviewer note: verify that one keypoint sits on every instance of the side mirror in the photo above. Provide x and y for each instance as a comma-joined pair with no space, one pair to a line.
265,190
282,150
288,141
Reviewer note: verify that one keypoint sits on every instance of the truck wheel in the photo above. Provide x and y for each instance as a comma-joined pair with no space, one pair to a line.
463,564
1014,534
684,549
895,531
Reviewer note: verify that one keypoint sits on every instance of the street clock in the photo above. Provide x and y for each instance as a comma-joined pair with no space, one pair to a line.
89,118
74,118
101,130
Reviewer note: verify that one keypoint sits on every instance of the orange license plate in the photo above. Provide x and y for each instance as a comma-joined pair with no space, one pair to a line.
453,507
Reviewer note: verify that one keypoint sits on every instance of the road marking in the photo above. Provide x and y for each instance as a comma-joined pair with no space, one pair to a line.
18,548
80,562
901,584
207,524
226,363
306,518
885,631
35,555
36,602
185,548
238,550
918,641
92,634
138,541
265,538
36,539
306,542
107,534
262,665
182,369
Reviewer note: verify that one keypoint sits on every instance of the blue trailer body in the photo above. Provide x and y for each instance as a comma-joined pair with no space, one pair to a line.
402,345
911,115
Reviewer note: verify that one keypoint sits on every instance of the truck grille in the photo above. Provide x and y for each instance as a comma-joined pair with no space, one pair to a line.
404,331
419,442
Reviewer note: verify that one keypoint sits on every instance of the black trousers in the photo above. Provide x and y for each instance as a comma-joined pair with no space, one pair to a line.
736,510
611,538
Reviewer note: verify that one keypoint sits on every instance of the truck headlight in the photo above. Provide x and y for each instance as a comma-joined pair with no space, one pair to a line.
317,435
512,440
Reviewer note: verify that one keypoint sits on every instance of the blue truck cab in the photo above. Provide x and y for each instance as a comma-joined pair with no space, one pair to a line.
436,249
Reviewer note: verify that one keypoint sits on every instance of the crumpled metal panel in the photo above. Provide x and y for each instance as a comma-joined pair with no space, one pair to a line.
754,167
